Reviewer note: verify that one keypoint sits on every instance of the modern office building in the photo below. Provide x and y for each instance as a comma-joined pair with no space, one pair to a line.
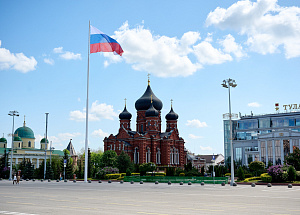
267,138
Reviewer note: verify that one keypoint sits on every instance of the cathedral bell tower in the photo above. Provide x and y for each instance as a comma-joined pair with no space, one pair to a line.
171,118
125,118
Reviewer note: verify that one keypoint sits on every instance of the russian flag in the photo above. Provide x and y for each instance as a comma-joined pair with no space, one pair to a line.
100,42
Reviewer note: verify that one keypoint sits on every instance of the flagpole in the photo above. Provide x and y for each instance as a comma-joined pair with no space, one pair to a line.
87,113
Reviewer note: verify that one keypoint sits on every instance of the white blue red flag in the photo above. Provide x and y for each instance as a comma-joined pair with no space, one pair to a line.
100,42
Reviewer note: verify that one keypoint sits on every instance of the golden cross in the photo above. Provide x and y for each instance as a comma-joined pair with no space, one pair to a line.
151,98
148,78
125,101
171,102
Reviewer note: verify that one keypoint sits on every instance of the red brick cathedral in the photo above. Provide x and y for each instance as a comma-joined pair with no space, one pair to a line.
148,143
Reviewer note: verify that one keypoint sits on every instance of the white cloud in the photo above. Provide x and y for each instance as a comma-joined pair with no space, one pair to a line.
159,55
254,104
230,46
206,148
192,136
196,123
100,133
70,56
67,55
207,54
16,61
267,25
62,139
58,50
96,113
49,61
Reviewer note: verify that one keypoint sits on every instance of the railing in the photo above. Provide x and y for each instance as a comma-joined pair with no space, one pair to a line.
175,179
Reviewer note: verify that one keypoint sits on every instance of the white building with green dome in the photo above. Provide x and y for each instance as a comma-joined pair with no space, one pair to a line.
24,147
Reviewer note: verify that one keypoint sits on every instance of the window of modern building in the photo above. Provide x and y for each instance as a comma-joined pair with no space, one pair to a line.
286,147
298,122
263,151
277,152
238,154
295,143
270,151
264,123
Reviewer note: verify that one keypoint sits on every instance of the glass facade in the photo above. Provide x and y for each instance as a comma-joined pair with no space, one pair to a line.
254,137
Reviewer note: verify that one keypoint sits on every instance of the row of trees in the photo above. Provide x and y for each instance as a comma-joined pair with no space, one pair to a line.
55,170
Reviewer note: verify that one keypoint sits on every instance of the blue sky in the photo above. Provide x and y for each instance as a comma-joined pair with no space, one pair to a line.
188,47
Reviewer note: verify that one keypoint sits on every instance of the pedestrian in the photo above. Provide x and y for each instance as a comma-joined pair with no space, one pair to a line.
18,179
15,179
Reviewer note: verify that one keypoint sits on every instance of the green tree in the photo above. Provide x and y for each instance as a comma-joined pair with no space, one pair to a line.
96,161
4,171
293,159
68,169
257,167
124,162
109,159
28,170
292,173
49,170
147,167
241,174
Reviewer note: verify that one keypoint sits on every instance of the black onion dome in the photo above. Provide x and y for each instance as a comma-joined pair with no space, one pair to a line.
144,102
172,115
125,114
151,111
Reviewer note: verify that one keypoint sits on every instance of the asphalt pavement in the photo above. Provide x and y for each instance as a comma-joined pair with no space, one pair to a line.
36,197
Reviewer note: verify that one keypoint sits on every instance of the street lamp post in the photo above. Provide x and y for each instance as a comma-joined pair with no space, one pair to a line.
13,114
227,84
46,146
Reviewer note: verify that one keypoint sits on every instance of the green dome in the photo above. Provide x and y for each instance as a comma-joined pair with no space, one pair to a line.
17,139
3,140
25,132
43,140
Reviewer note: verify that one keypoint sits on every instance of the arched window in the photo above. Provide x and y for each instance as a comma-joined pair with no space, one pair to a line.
29,143
136,155
142,128
148,154
158,154
171,156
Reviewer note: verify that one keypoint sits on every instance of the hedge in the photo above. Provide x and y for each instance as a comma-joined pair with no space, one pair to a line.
156,174
252,179
265,177
112,176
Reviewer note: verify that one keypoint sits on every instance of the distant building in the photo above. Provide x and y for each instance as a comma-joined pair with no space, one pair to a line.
148,143
24,147
267,138
199,161
73,154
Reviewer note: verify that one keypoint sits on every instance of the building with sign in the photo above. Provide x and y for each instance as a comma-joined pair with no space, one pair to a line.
148,143
267,138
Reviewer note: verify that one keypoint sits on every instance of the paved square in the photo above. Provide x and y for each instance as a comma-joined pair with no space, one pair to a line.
162,199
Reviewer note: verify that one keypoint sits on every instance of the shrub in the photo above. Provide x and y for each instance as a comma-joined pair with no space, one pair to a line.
128,172
156,174
135,174
106,170
257,167
291,173
228,174
241,174
181,174
248,175
298,175
112,176
252,179
276,172
265,177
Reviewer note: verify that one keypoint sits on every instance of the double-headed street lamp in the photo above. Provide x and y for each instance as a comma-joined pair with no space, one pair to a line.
227,84
13,114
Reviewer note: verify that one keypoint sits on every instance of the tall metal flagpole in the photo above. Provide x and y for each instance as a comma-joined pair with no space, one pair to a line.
87,113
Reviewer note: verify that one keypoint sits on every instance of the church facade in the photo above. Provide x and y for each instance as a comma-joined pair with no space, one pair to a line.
148,143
